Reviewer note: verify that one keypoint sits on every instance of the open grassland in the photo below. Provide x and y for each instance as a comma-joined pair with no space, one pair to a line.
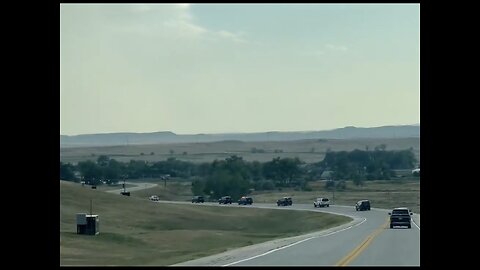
382,193
105,187
307,150
172,191
136,231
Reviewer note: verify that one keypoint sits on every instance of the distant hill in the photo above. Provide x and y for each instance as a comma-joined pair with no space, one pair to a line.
110,139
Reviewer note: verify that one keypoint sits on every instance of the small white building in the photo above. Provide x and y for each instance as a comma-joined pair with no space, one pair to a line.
88,224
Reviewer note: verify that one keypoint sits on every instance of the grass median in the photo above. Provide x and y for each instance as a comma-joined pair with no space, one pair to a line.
135,231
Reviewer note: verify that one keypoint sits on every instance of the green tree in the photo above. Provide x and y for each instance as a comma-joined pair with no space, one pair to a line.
136,169
359,165
102,160
329,185
236,165
90,172
203,169
198,187
341,185
112,172
304,186
67,172
357,180
282,171
256,170
264,185
381,147
176,168
223,182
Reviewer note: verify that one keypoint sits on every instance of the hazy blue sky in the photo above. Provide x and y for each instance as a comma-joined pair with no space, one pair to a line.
210,68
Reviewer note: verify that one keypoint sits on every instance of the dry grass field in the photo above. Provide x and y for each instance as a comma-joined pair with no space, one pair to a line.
307,150
385,194
382,194
136,231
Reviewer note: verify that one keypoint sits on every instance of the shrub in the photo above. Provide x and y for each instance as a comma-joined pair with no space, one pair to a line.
330,184
341,185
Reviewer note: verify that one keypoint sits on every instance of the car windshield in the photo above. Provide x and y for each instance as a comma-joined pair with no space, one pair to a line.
324,200
400,212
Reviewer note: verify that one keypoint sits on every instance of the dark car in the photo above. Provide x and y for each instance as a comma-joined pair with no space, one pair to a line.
285,201
198,199
362,205
400,217
225,200
245,200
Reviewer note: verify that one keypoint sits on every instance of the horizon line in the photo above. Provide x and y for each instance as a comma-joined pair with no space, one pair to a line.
224,133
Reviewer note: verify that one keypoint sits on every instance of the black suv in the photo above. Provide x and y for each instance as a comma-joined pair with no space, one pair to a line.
362,205
198,199
285,201
245,200
400,217
225,200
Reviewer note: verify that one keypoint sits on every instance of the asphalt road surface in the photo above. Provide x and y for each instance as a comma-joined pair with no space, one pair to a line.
139,186
366,241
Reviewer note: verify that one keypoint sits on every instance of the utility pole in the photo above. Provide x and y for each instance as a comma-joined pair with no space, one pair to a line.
333,190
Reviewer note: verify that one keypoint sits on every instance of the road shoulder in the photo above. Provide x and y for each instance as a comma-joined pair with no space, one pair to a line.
244,253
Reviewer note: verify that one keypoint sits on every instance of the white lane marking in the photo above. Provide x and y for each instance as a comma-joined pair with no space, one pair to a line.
415,224
385,210
293,244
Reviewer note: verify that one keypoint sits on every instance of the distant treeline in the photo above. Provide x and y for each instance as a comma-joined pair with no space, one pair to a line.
236,177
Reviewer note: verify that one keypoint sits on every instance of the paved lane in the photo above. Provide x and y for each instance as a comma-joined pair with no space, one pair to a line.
368,241
138,186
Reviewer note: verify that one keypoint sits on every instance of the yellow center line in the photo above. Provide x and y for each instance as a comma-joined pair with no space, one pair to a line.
360,248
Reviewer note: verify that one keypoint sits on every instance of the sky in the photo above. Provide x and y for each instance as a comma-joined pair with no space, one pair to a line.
224,68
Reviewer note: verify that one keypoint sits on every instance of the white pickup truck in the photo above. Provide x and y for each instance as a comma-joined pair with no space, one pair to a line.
321,202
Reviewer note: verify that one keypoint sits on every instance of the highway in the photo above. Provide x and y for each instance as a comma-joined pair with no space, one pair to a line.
365,241
139,186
